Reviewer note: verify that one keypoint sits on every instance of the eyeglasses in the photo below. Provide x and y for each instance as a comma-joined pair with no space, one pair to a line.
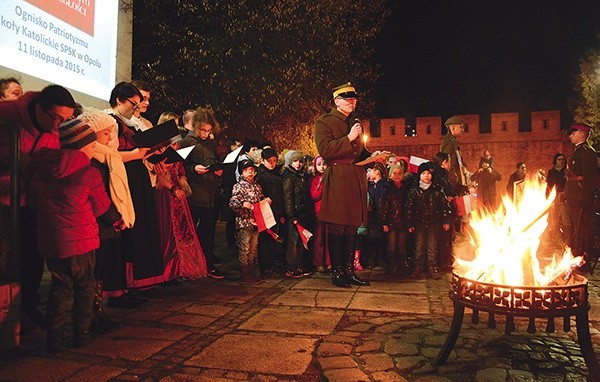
136,106
56,117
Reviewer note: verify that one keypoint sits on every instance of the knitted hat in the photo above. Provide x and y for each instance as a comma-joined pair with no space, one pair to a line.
293,155
269,152
244,164
75,134
98,120
425,166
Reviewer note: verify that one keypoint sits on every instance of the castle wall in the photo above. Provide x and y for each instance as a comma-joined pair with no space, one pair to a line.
506,143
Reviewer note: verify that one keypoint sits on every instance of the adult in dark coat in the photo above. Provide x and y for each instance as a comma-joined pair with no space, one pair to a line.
458,172
344,199
579,194
36,115
516,176
486,177
203,181
140,244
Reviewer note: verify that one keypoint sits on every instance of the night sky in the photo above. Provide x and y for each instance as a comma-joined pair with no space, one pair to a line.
460,57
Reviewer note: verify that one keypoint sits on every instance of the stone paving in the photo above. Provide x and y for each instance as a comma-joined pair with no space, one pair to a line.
308,330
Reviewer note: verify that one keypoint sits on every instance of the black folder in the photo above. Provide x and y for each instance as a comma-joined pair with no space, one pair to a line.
158,136
169,154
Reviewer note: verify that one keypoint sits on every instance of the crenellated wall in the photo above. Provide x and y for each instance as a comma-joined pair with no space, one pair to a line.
505,142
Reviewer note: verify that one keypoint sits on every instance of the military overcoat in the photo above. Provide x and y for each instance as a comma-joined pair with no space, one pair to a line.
344,199
582,177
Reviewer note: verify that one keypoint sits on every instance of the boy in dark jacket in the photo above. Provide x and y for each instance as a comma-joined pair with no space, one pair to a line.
299,209
68,195
391,213
375,240
427,210
271,251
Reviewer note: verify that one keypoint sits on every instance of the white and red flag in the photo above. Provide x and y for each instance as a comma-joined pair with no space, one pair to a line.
305,235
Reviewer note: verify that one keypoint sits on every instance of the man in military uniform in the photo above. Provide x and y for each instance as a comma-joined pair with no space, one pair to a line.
458,172
344,200
578,192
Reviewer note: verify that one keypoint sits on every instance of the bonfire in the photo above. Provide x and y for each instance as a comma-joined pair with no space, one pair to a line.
503,244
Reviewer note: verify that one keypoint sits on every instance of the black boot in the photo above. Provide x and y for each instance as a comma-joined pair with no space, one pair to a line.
336,253
101,324
350,244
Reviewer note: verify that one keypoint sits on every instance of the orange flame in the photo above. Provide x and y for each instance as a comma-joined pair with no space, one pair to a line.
504,243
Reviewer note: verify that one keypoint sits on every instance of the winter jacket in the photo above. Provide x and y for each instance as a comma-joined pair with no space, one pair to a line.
392,205
68,195
296,198
427,208
486,180
272,187
244,191
18,114
376,190
316,191
205,186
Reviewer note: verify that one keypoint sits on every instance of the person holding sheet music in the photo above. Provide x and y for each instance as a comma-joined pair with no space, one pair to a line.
141,123
203,181
140,244
182,252
515,177
271,252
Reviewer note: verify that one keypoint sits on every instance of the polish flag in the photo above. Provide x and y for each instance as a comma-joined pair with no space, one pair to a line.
414,162
305,235
465,204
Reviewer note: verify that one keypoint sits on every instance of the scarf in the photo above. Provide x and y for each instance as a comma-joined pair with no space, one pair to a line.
117,182
424,185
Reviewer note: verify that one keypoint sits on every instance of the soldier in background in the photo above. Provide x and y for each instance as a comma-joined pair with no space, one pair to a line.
458,172
578,192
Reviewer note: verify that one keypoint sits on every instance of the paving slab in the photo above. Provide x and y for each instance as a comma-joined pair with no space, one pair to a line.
132,349
193,320
397,303
404,287
294,320
232,293
210,310
257,353
96,373
320,283
28,369
314,298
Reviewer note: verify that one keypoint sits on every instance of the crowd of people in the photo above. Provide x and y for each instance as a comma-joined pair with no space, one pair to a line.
113,219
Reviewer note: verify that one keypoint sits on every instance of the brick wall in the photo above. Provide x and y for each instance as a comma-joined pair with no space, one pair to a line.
505,142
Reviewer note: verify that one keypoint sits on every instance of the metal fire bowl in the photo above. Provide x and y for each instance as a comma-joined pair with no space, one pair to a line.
523,301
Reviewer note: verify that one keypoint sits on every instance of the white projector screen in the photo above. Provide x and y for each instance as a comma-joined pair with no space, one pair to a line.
68,42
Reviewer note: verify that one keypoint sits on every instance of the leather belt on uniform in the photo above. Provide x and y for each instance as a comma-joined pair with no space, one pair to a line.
342,161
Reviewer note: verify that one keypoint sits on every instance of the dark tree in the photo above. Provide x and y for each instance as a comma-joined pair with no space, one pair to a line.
586,108
265,67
